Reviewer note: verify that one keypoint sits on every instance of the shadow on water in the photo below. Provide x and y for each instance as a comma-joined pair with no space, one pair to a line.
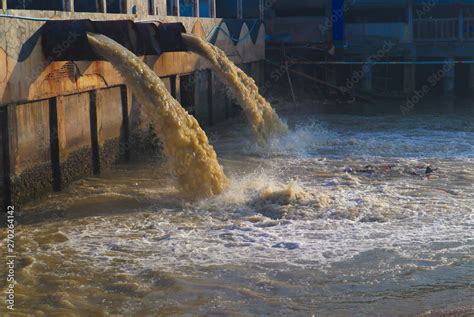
125,189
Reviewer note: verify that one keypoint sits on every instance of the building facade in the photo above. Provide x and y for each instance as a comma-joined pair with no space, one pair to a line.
394,47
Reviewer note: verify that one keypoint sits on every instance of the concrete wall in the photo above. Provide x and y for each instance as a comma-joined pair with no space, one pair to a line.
26,75
75,137
112,108
68,120
29,150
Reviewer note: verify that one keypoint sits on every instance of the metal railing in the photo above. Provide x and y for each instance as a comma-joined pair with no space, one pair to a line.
446,29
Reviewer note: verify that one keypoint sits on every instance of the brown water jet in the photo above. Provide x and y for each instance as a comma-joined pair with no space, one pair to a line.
264,121
185,144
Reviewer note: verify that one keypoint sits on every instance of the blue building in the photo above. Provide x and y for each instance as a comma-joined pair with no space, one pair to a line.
400,42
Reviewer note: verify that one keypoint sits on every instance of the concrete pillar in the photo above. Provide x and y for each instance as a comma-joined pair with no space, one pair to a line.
167,82
110,119
176,87
409,78
75,137
212,8
176,7
103,6
240,10
161,8
448,79
68,5
218,99
201,98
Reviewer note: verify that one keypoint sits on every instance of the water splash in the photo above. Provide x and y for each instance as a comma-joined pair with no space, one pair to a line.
263,119
185,144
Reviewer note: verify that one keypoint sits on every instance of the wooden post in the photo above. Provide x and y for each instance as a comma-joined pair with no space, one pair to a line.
4,5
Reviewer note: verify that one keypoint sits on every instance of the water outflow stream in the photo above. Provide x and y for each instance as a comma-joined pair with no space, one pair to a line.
263,119
185,144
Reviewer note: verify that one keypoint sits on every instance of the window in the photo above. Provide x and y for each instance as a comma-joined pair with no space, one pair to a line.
204,8
35,5
227,9
172,7
116,6
251,9
151,7
88,6
186,8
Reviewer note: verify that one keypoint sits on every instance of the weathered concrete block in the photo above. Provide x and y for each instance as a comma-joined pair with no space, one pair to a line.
110,119
29,151
74,133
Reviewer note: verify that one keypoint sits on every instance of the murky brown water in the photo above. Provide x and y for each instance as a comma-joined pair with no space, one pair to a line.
337,218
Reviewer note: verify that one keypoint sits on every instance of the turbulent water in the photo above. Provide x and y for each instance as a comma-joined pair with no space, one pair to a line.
263,119
185,144
339,217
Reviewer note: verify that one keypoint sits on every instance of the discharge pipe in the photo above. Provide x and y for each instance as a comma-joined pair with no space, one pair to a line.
66,40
